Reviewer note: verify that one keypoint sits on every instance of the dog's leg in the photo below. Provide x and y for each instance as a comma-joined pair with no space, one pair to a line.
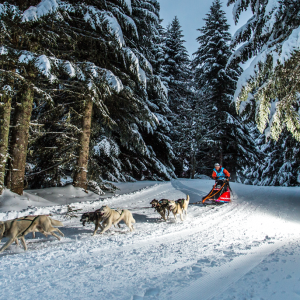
7,244
132,228
175,218
129,225
56,229
23,242
162,215
41,230
96,228
117,224
181,216
108,225
118,221
54,234
17,242
33,235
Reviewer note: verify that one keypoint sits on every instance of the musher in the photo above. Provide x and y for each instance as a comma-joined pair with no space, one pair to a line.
221,176
219,173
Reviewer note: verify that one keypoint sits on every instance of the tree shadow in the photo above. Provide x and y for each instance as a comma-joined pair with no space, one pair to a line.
139,218
195,195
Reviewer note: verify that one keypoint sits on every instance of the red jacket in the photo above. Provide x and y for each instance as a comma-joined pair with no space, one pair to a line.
214,174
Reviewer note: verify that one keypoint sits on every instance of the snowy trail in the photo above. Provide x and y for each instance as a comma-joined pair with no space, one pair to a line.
227,274
160,260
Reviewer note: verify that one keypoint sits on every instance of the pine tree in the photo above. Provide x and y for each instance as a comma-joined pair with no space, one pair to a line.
21,88
221,135
177,74
94,87
280,165
271,84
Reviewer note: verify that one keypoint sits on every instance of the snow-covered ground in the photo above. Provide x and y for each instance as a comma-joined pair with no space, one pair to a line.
248,249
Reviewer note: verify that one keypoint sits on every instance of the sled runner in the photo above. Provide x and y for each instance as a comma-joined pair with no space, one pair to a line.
219,194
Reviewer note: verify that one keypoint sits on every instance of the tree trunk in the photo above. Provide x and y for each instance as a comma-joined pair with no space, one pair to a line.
19,142
221,154
193,163
80,176
5,110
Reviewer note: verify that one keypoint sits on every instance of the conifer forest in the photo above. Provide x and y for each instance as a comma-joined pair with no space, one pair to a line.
94,92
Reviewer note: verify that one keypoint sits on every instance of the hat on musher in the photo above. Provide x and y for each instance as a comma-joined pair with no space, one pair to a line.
217,165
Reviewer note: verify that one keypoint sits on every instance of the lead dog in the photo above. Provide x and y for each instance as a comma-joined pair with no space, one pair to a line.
113,217
161,207
96,218
18,228
179,207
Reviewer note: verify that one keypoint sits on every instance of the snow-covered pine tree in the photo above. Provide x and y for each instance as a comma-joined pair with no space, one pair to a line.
36,26
271,83
139,146
279,167
18,87
223,137
76,79
96,54
177,74
156,135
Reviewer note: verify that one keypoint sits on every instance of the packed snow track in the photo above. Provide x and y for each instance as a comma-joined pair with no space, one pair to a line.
247,249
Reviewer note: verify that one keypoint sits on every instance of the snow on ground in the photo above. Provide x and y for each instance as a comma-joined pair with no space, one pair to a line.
17,205
248,249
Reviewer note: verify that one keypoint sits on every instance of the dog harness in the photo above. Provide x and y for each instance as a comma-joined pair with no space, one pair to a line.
24,219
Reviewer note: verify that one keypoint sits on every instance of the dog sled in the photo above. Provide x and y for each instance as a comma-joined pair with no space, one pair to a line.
219,194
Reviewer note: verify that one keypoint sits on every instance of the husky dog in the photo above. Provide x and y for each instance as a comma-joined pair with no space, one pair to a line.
161,207
18,228
96,218
179,207
113,217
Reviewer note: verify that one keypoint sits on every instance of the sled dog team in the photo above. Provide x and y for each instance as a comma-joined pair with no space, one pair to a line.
104,218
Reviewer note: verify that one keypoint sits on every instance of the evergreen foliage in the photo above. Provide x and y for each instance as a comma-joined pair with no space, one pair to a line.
75,53
279,167
221,135
177,74
271,84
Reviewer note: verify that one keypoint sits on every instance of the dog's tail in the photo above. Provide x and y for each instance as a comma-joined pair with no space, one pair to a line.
187,198
56,222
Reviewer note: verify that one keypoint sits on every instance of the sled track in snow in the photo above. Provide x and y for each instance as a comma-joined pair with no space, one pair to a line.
212,244
113,245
